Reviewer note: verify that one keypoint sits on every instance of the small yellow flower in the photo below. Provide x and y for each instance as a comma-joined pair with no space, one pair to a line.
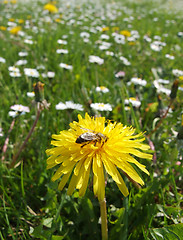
2,28
95,146
104,29
125,33
114,29
15,30
57,20
20,21
5,1
13,1
11,19
181,78
51,8
132,43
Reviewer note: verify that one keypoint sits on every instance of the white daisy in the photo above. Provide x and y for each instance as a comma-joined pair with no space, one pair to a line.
125,61
69,105
177,72
20,108
50,74
101,106
21,62
84,35
135,103
62,51
66,66
160,88
23,54
31,72
60,41
2,60
30,94
171,57
138,81
28,41
96,59
102,89
15,74
109,53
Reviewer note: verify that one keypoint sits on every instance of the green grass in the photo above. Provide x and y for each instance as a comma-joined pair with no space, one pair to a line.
31,207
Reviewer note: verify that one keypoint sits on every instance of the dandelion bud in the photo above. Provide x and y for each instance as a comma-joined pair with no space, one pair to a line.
174,89
39,91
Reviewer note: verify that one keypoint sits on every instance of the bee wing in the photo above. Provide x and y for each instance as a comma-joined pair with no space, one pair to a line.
88,136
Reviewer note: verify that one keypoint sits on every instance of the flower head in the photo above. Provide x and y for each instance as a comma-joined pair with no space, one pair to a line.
125,33
96,59
2,60
101,106
93,146
51,8
15,30
66,66
20,108
69,105
102,89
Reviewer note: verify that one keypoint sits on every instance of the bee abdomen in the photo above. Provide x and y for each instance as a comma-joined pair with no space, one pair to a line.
80,140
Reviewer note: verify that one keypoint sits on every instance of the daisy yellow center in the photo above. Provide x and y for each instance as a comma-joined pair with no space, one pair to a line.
102,87
132,98
101,105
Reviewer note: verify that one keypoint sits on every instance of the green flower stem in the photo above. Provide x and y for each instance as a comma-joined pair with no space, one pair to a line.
26,140
103,214
125,204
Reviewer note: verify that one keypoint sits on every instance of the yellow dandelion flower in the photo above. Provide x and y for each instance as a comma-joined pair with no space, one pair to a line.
51,8
13,1
104,29
57,20
20,21
95,146
114,29
15,30
132,43
11,19
125,33
2,28
181,78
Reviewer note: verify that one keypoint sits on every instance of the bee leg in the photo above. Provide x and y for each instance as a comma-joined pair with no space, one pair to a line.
83,145
104,142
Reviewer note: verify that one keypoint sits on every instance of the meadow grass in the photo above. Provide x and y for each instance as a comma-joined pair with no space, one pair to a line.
31,205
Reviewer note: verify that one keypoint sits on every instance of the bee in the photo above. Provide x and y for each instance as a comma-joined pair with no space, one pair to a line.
91,136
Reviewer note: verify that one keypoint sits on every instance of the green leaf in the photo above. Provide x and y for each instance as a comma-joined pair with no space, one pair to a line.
55,237
171,232
40,233
47,222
